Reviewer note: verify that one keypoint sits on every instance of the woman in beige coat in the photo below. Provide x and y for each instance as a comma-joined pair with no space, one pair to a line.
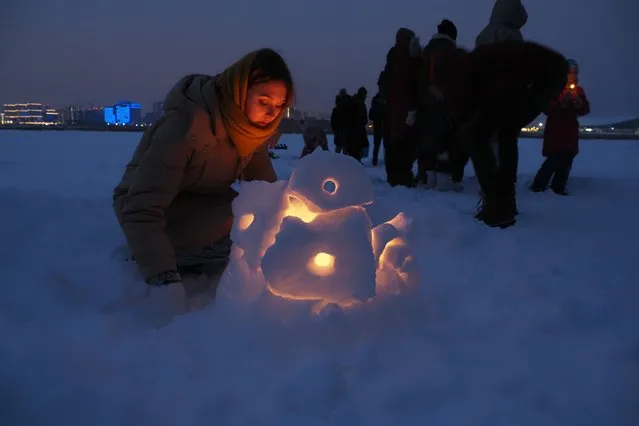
174,200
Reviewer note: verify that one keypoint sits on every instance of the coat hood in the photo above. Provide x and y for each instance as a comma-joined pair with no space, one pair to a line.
403,38
194,91
510,13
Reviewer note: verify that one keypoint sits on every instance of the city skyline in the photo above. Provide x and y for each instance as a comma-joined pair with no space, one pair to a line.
102,52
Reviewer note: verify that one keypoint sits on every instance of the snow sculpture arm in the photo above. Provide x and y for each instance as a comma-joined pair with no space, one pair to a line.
396,268
153,188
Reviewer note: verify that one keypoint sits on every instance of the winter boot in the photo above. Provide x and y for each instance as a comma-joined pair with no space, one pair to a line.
446,184
496,214
512,202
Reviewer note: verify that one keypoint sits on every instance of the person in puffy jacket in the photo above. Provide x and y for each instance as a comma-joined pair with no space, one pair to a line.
561,135
496,90
435,132
403,63
173,202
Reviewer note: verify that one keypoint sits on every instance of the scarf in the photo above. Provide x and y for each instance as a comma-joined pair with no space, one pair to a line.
232,86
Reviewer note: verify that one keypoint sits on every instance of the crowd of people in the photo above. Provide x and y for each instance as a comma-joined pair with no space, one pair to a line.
439,106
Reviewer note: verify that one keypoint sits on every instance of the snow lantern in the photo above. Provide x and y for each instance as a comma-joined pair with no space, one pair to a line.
310,239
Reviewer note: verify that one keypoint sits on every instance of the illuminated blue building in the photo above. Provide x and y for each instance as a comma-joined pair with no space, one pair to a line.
123,113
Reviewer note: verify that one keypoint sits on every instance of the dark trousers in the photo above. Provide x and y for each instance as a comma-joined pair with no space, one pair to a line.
378,139
338,140
458,161
558,168
454,166
436,135
497,181
355,142
399,159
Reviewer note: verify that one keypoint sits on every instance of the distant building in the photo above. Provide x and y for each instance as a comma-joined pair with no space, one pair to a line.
92,115
155,114
72,115
52,115
83,115
31,113
123,113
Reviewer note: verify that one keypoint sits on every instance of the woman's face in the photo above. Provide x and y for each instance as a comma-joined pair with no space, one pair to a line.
572,75
264,102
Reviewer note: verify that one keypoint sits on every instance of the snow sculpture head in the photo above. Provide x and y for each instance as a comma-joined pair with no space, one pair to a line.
310,239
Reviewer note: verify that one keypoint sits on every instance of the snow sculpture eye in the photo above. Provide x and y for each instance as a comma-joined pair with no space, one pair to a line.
330,186
322,264
246,220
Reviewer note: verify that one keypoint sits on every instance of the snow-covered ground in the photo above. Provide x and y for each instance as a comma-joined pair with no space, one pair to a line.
533,325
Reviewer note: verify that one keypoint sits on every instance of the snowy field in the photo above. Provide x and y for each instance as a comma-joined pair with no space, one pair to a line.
536,325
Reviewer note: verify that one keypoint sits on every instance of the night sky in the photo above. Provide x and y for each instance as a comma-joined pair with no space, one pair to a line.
81,51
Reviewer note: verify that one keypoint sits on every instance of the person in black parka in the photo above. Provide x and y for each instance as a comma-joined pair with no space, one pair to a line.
437,154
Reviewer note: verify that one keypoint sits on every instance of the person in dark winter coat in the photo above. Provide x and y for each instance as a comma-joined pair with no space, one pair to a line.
356,119
376,115
435,130
498,89
507,19
561,135
338,121
402,68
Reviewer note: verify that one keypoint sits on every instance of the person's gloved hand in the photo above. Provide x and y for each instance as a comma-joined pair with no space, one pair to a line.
165,298
411,117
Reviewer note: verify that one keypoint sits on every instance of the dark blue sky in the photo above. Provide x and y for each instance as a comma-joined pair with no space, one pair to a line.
82,51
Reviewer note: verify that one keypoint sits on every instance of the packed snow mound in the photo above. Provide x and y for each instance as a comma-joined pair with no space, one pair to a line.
311,242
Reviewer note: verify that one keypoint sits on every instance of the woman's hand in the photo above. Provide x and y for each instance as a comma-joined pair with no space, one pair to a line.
165,299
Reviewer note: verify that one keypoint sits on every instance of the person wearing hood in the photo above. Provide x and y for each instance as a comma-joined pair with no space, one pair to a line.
173,202
507,19
497,89
402,67
434,124
561,134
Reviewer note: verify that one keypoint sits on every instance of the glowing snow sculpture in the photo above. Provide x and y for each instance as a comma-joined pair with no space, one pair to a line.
310,239
328,260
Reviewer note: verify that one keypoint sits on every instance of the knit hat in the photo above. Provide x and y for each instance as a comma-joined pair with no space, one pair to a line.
573,64
447,27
